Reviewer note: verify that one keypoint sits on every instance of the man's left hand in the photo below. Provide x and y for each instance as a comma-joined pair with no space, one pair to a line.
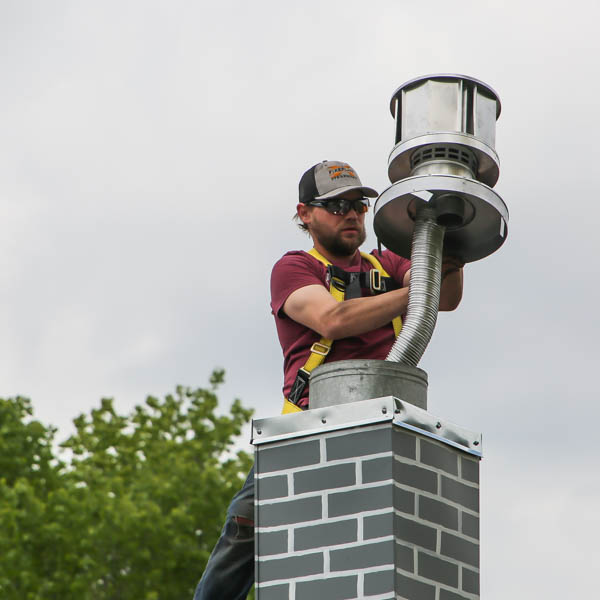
451,264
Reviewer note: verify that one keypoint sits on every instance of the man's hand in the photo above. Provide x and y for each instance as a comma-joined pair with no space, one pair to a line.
451,264
452,282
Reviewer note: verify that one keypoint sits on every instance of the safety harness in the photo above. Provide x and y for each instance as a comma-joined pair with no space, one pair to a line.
342,286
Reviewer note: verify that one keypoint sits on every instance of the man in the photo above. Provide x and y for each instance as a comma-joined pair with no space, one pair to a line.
313,325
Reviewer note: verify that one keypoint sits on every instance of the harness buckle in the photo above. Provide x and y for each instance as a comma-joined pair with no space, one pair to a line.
338,284
335,278
375,281
321,349
298,386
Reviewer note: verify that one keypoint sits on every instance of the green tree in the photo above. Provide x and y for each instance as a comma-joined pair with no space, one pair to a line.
134,507
29,477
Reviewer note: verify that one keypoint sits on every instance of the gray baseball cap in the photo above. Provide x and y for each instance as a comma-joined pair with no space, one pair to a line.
329,179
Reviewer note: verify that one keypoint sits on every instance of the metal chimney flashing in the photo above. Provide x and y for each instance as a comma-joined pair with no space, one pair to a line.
365,412
418,420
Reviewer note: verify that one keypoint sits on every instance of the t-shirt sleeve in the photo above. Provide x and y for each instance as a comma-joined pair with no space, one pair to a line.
293,271
395,265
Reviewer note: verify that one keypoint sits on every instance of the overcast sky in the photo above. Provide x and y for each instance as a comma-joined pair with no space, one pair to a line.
149,159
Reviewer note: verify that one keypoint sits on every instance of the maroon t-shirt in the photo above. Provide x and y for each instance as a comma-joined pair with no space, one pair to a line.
299,269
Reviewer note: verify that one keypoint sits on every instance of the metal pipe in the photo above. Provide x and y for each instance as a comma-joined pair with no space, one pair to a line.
424,292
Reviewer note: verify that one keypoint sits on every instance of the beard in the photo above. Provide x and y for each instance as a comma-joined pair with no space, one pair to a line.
333,241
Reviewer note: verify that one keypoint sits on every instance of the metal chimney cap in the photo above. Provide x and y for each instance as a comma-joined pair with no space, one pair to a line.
448,76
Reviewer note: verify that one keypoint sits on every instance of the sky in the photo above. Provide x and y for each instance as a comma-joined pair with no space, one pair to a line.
150,154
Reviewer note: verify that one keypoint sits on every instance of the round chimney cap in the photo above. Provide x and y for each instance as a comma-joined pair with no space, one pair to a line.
445,76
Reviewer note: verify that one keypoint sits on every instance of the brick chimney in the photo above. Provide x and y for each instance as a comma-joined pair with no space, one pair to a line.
375,499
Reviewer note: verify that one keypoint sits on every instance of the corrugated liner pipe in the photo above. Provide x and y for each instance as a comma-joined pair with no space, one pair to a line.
424,292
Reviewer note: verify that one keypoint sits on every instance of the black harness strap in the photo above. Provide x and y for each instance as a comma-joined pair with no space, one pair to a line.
354,283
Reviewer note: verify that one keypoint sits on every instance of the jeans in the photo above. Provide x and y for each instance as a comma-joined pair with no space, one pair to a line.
229,573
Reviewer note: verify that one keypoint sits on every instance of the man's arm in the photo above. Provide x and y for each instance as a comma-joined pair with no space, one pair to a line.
315,307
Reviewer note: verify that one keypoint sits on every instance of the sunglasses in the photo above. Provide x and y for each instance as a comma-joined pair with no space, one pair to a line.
342,206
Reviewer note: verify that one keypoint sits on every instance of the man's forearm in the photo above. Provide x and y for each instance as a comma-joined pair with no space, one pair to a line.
360,315
314,307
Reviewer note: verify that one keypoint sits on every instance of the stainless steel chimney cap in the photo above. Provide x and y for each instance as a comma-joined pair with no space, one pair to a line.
452,113
444,156
442,77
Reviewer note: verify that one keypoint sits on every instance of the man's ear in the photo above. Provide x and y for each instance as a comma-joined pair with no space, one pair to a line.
304,212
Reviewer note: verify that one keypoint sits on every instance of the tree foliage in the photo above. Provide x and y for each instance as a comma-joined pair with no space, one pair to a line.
128,508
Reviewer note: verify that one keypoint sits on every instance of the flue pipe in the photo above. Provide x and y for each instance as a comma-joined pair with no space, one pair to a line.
424,291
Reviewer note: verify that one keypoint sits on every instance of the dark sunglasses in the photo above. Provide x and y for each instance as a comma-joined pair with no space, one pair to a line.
342,206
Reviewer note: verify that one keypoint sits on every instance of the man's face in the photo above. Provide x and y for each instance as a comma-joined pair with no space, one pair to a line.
341,235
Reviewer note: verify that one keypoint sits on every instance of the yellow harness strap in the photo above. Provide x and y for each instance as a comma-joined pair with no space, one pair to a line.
396,321
319,350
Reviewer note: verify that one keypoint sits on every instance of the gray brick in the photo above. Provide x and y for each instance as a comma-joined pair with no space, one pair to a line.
410,588
363,556
438,512
285,513
404,444
273,592
459,492
470,469
470,525
326,534
272,542
379,582
405,558
377,469
404,501
288,457
357,501
439,457
415,533
460,549
359,444
415,476
448,595
438,570
378,526
293,566
324,478
470,581
272,487
334,588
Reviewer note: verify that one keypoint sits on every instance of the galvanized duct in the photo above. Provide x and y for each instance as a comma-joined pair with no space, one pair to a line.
424,292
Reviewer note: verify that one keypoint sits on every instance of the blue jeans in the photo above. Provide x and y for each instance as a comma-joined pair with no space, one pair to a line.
229,573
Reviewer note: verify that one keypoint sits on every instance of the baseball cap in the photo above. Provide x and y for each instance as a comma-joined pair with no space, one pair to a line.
329,179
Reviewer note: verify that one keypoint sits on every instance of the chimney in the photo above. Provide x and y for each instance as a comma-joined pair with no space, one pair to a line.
373,499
